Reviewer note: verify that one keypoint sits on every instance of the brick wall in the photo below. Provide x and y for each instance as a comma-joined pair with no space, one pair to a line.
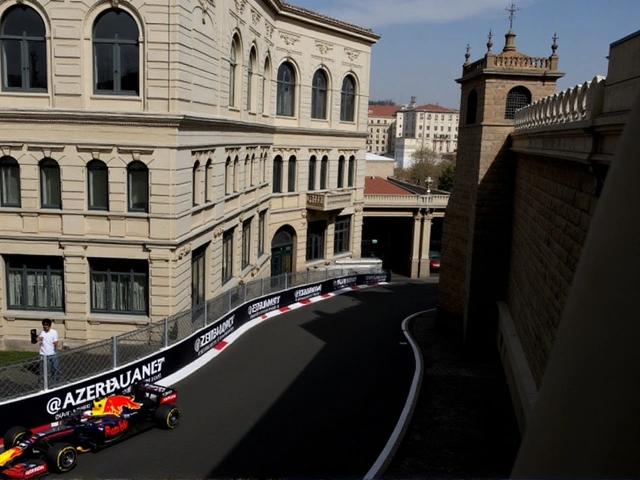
553,205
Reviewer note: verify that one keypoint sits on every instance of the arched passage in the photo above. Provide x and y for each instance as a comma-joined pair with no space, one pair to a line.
282,251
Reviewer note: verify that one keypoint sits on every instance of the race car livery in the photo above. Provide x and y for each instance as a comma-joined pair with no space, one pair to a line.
113,418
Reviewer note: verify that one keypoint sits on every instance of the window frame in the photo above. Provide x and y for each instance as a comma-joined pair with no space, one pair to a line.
262,221
25,41
25,269
198,276
351,174
341,163
207,185
117,45
319,95
246,243
311,186
133,168
277,174
10,165
513,101
348,100
286,91
48,166
96,165
342,234
195,182
227,255
291,174
126,268
316,240
324,172
233,71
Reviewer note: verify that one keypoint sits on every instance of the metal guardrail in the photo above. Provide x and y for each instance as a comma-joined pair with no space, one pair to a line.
33,375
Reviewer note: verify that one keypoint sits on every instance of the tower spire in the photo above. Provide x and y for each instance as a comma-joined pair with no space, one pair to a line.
512,14
510,37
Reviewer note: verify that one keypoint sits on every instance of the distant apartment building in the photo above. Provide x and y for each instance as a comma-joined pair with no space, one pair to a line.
425,126
381,128
398,131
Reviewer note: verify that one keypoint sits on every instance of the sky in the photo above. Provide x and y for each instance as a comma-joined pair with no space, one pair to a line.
423,42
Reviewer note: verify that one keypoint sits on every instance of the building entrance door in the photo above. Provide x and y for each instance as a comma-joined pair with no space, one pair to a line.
281,254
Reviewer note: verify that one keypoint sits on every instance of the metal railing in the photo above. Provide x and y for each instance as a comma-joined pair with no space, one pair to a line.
33,375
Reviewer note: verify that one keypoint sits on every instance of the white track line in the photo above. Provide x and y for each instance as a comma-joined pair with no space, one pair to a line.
387,453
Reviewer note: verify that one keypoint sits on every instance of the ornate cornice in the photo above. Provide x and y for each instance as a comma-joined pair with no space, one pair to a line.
269,28
240,4
255,17
283,150
320,151
183,251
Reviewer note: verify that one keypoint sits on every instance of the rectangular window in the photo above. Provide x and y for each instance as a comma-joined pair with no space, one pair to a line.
342,234
277,174
291,175
198,276
262,218
119,286
227,255
34,282
9,183
246,243
315,240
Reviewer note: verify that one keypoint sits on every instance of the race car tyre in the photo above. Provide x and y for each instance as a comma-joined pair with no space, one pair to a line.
15,435
167,416
62,457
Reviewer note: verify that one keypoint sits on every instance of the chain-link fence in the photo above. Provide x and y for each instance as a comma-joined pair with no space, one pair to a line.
33,375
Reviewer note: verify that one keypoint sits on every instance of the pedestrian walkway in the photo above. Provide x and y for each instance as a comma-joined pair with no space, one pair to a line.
463,424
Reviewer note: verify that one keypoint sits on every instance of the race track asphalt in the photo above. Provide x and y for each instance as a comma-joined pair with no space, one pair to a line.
315,392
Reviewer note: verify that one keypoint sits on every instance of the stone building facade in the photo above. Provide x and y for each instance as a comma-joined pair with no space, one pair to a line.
155,154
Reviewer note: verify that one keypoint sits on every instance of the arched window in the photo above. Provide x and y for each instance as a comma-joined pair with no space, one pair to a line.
9,182
312,173
277,174
50,195
517,97
97,185
247,172
291,174
351,181
319,95
24,50
116,54
286,90
253,169
472,107
207,186
195,183
348,99
324,172
228,177
236,174
138,185
266,87
234,57
251,81
341,171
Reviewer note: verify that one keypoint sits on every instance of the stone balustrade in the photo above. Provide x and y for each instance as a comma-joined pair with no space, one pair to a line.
381,200
582,102
490,61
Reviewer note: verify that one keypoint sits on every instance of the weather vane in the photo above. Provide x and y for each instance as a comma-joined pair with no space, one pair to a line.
512,14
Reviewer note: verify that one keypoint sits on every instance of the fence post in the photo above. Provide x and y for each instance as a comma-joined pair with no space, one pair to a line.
45,371
166,332
114,350
262,286
286,278
244,293
205,312
228,301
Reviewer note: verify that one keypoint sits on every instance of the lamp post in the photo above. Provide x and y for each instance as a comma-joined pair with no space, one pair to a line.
429,181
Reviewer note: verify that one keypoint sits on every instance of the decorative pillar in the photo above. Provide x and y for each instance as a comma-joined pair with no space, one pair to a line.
163,301
415,245
77,295
425,245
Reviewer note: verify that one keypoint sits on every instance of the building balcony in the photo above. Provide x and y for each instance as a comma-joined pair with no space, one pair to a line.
327,201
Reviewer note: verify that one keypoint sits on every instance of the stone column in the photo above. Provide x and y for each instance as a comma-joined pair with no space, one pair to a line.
163,301
415,245
77,295
426,242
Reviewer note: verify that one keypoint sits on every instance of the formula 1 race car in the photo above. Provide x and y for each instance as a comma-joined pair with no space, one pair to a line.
113,418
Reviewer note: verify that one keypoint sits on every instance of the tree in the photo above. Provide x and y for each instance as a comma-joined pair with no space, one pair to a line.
383,102
447,174
424,165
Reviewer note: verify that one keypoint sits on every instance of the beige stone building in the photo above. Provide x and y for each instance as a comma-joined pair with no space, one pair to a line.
157,153
381,129
424,126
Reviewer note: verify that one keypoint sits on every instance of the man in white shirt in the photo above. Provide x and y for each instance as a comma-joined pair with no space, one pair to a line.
48,339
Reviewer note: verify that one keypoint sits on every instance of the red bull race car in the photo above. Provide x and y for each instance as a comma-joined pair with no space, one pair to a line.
113,418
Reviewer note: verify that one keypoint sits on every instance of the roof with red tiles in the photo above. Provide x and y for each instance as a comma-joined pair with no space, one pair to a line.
383,110
435,108
380,186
